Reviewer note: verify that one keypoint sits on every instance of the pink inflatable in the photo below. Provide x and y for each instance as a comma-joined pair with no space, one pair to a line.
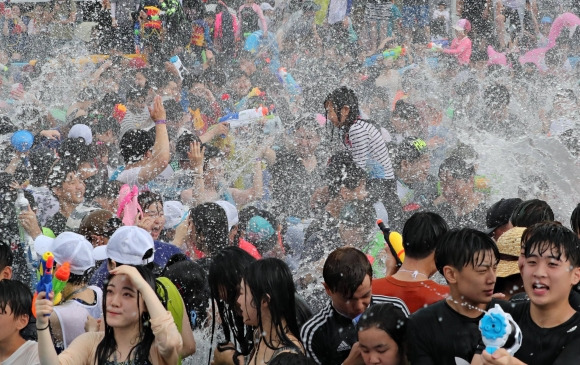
536,56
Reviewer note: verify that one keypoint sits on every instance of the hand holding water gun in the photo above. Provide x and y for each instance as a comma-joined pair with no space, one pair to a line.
395,242
393,53
499,330
47,282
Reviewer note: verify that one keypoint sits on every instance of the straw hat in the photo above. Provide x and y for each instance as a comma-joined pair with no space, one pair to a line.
509,244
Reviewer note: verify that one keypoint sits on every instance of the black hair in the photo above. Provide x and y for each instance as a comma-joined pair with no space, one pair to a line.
345,270
103,124
183,143
457,167
552,237
405,111
108,345
410,149
461,247
211,223
209,153
343,171
575,220
290,358
173,110
135,144
59,172
41,160
225,274
136,93
389,318
244,217
530,212
6,257
421,234
340,98
75,150
146,198
496,96
270,279
110,189
190,278
18,297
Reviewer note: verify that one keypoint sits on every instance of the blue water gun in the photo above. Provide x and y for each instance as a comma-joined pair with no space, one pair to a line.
393,53
44,276
498,329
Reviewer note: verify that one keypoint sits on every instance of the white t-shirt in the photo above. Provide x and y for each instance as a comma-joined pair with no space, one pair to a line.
26,354
131,177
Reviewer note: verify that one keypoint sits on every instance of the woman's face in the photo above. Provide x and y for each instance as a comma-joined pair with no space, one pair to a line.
155,211
124,306
333,116
377,347
247,305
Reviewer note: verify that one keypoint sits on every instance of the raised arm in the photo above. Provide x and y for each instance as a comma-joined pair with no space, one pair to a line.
160,156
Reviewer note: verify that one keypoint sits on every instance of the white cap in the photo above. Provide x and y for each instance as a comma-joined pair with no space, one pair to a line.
266,6
128,245
174,213
68,247
231,212
81,131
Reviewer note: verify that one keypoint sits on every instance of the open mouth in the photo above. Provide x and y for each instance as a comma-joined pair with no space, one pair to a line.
539,288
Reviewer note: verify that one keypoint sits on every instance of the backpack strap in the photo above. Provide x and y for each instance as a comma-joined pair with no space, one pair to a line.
116,173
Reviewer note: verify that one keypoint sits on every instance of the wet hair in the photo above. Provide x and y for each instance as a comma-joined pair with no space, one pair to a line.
108,345
6,257
41,160
496,95
575,220
411,149
388,318
263,245
18,297
290,358
405,111
270,279
135,144
530,212
135,93
173,110
345,270
340,98
226,271
552,237
343,171
75,150
183,144
190,278
209,153
211,223
421,234
110,189
146,198
59,172
461,247
457,167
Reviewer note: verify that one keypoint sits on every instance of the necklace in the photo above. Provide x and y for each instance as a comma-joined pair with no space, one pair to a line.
414,273
79,290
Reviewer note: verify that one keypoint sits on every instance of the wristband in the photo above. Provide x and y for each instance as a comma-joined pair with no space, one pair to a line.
42,329
160,121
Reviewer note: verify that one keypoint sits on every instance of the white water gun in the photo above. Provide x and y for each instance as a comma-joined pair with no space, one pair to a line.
498,329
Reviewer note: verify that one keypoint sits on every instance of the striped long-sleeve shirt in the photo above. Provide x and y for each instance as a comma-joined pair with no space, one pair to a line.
369,150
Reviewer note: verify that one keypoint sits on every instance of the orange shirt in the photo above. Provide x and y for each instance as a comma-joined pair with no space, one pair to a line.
415,294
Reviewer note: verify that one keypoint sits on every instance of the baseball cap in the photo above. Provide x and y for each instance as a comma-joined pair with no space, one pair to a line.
231,212
499,213
266,6
463,25
68,247
259,229
509,246
174,213
129,245
81,131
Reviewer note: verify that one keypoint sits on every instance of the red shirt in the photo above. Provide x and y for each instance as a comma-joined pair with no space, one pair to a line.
415,294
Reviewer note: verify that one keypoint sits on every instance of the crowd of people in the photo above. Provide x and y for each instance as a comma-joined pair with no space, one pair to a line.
200,182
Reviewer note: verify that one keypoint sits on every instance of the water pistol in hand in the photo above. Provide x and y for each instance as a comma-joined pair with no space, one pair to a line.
498,329
50,281
395,242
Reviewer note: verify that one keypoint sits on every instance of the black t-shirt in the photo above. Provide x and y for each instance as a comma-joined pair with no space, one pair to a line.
559,345
439,335
57,223
474,219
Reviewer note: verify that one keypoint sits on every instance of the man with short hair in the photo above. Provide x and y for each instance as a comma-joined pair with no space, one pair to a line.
448,331
411,283
330,337
15,313
498,217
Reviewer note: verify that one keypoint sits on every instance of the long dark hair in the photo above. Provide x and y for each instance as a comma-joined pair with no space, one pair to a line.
108,345
226,271
341,97
211,222
271,279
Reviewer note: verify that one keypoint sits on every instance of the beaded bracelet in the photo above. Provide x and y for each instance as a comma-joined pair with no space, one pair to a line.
160,121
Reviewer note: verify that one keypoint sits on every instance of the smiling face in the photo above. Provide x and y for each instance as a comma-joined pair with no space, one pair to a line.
155,211
124,306
548,276
377,347
72,189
